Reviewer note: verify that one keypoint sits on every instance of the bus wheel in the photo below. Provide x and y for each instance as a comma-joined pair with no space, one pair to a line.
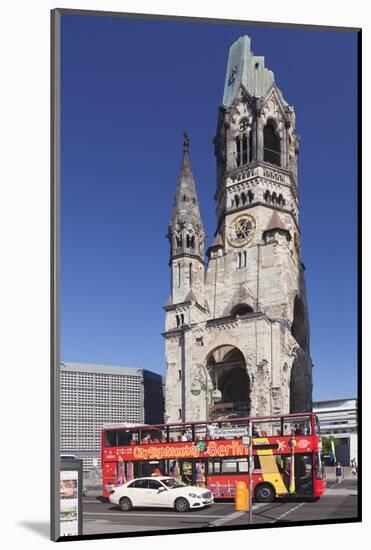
181,505
264,493
125,504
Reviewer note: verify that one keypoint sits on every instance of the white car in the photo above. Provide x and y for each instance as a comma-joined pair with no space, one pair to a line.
160,491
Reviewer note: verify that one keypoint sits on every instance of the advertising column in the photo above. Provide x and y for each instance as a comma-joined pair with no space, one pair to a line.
71,498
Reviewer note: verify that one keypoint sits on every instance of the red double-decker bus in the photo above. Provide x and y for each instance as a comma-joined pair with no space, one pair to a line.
286,455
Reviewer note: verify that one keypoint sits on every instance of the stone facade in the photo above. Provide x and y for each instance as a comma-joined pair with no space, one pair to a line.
237,325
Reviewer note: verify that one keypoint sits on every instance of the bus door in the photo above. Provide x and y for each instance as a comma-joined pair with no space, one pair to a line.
186,471
302,472
193,471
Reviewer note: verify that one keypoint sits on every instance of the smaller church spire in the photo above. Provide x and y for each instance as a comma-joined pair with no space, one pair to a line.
186,231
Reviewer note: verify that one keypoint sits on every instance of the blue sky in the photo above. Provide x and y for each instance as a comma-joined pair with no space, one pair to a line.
129,89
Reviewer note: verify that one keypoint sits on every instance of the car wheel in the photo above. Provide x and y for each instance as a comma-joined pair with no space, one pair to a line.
126,504
181,505
264,493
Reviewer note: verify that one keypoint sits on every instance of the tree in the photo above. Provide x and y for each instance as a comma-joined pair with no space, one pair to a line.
326,444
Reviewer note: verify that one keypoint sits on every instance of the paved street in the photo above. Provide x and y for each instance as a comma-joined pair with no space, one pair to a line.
340,501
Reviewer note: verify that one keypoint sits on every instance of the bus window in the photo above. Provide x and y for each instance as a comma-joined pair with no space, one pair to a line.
200,432
317,425
320,470
229,466
151,435
297,426
111,438
268,428
174,434
124,437
243,466
256,462
214,466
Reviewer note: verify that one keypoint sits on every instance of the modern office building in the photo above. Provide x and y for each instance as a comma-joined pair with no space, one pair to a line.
94,395
338,418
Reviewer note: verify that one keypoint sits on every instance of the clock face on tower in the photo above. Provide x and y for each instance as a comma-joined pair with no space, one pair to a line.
241,230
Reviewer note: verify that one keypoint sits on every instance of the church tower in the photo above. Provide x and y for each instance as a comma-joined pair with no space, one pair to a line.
239,331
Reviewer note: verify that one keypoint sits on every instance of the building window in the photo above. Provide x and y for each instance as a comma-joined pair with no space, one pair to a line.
179,414
190,274
242,259
243,149
179,374
272,144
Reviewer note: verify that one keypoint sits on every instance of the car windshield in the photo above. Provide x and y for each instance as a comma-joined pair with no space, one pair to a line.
173,483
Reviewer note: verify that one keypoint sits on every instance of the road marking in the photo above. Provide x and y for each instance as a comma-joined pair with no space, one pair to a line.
131,514
288,512
230,517
235,515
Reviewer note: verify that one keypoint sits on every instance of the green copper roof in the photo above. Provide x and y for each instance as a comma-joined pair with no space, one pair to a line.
245,68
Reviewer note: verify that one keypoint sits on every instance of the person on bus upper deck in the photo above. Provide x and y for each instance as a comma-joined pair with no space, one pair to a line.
255,432
210,430
184,436
188,434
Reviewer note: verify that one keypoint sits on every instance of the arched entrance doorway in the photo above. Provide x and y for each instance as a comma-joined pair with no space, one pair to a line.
227,369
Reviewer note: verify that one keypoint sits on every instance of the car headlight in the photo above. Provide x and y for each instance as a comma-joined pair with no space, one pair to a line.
194,495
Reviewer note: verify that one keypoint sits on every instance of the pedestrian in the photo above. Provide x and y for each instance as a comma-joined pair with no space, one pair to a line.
174,470
353,464
339,472
198,477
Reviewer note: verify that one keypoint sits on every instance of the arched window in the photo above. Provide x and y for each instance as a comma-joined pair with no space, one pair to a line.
250,194
243,198
242,309
281,201
274,198
236,200
272,144
238,151
244,144
267,197
190,274
177,321
244,149
250,146
182,318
